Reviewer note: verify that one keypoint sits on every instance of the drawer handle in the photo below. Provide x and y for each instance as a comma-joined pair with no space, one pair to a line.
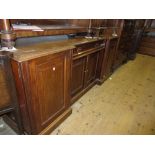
53,68
79,49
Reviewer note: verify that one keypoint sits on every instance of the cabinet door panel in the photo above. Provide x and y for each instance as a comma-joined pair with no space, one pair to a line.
50,92
48,82
78,74
91,68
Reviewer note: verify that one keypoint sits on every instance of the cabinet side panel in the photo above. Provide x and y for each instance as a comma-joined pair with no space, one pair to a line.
21,96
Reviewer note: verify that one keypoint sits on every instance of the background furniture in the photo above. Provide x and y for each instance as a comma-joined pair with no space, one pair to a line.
9,108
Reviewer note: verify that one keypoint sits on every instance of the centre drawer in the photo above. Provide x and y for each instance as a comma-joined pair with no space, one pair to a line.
80,48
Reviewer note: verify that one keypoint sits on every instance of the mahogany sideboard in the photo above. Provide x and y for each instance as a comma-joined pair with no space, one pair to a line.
48,75
51,76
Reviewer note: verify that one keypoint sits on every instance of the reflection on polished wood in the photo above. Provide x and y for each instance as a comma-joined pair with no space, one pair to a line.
46,48
124,104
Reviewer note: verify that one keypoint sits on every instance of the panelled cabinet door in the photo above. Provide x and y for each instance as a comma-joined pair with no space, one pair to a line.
48,82
92,60
78,75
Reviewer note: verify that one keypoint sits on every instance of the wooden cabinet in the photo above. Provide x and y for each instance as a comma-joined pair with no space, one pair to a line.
129,41
84,68
78,75
107,60
43,89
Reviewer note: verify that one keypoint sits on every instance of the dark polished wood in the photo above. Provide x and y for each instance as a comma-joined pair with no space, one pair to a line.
78,75
49,32
148,38
147,46
110,56
41,49
43,79
47,79
48,88
16,67
64,26
43,86
107,60
91,68
8,98
128,43
84,67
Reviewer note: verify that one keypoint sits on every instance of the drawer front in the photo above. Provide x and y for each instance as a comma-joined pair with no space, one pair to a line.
87,46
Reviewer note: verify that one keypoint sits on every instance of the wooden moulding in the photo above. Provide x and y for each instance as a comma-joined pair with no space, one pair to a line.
56,122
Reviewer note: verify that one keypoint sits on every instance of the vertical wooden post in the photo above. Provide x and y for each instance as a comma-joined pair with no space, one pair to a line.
7,35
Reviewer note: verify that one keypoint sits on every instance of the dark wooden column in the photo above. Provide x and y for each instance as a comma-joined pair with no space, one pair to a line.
7,35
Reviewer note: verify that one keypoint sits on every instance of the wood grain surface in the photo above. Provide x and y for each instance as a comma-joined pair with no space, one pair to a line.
124,104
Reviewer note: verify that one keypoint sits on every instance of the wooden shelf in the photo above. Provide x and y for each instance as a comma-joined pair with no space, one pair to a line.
46,30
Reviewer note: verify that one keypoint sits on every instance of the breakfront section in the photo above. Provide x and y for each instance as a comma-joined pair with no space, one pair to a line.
85,63
43,89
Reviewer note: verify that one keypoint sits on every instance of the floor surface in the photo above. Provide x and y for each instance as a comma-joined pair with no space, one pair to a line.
124,104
